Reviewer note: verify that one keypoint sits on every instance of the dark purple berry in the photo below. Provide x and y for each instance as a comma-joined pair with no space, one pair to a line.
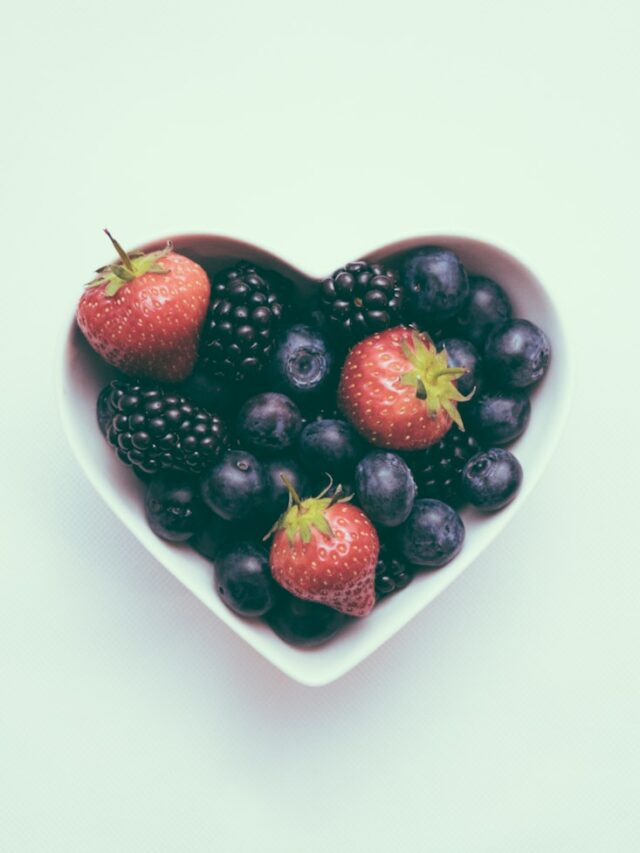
305,624
432,535
330,447
487,307
235,487
517,354
360,299
491,479
385,488
269,423
303,365
243,579
498,417
463,354
435,286
173,507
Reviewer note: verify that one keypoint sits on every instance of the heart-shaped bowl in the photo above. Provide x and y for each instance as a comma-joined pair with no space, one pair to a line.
82,374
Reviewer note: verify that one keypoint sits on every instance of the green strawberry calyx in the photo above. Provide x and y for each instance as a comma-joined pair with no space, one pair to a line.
302,516
433,379
132,265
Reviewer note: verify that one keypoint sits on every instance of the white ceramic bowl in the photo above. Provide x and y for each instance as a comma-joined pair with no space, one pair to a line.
82,374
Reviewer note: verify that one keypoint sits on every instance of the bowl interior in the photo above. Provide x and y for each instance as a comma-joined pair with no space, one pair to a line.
83,374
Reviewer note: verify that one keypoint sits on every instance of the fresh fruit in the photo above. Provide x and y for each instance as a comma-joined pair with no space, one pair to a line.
304,624
155,430
499,417
269,423
277,495
437,470
330,447
213,535
173,507
398,392
244,581
241,324
386,430
435,285
303,364
235,486
360,299
208,392
393,573
104,409
432,535
491,479
463,354
385,488
144,314
487,307
325,550
517,354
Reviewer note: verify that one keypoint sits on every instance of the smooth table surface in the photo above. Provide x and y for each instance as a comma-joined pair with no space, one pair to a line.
505,716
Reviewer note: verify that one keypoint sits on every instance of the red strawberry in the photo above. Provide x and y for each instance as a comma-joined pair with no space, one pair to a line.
398,391
326,550
144,315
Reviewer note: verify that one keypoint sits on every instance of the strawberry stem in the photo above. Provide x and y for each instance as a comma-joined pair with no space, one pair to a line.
124,257
293,495
433,378
302,517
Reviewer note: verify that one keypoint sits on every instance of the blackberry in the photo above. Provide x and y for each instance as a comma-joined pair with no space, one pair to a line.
438,469
155,430
244,316
360,299
392,572
104,409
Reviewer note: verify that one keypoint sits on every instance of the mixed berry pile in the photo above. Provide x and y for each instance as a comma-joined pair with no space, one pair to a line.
319,457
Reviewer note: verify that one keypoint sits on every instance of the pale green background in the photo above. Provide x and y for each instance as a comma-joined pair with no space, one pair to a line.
505,717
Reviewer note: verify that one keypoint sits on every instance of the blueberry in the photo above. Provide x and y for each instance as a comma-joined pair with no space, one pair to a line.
385,488
235,486
302,365
269,423
491,479
212,536
330,446
463,354
244,580
435,284
517,354
432,535
173,507
487,307
216,534
304,623
208,392
498,417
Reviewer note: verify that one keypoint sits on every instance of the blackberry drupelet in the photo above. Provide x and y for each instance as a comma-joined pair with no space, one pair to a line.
360,299
104,409
392,572
244,316
438,469
155,430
